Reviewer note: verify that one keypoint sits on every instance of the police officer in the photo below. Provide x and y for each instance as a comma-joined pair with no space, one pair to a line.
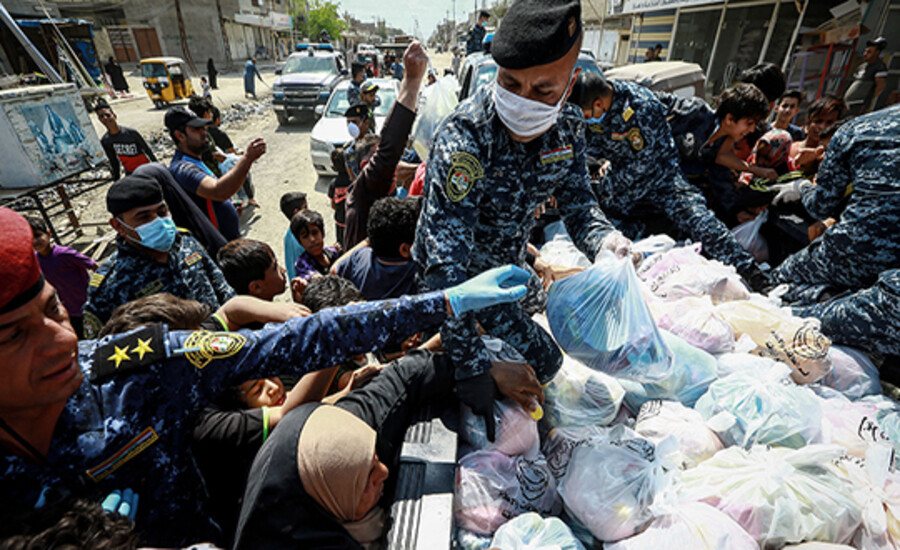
357,78
498,157
626,124
151,256
78,421
862,161
475,36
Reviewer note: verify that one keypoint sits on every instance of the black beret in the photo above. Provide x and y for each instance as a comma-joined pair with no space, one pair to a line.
358,110
536,32
131,192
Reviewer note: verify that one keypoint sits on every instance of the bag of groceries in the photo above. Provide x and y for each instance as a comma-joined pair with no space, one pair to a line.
492,488
779,495
762,407
580,396
852,373
781,336
879,489
683,272
696,321
517,431
747,235
532,532
658,420
439,100
560,443
610,487
600,318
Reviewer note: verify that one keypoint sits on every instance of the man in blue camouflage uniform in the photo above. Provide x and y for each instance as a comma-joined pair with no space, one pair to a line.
80,420
626,125
497,158
864,155
178,264
868,319
475,36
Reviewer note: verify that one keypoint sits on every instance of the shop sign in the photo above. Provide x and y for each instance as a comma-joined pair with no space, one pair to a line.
618,7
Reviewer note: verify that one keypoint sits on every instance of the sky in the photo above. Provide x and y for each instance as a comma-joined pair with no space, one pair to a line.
402,13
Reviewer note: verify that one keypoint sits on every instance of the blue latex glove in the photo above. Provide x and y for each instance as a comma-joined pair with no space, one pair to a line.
122,502
500,285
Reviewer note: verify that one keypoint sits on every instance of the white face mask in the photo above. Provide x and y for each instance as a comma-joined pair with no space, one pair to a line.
353,129
525,117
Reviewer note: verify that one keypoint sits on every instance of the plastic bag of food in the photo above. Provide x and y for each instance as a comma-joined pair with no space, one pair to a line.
532,532
728,363
764,407
661,419
438,101
517,431
818,546
579,396
879,492
609,487
747,235
689,525
852,425
852,373
561,442
779,495
492,488
781,336
692,373
467,540
695,320
599,317
562,251
683,272
655,244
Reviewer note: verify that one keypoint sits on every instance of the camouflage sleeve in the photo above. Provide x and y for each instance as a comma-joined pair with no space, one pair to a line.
867,319
834,176
97,308
581,214
450,211
223,290
219,360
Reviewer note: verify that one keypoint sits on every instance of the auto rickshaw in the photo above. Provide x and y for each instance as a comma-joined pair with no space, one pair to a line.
166,80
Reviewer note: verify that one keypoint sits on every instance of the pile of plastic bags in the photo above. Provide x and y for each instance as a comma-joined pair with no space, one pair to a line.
688,413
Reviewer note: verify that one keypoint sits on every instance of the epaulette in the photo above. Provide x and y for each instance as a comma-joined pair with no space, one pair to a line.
128,353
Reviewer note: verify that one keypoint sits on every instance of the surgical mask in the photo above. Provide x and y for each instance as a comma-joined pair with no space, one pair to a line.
596,120
158,235
353,129
526,117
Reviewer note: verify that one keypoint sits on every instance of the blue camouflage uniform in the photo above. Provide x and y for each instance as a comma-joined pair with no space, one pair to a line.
133,429
353,93
130,274
692,123
475,39
645,179
864,154
480,195
868,319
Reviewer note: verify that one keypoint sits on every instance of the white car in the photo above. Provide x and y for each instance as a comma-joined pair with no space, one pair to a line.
331,129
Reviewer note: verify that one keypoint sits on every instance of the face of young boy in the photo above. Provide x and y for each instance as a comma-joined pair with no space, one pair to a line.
314,241
274,282
263,392
815,126
41,242
788,109
739,128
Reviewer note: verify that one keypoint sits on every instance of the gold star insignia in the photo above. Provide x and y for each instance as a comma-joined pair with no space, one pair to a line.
120,355
143,347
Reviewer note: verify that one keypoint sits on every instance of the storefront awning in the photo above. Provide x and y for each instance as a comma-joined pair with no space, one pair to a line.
619,7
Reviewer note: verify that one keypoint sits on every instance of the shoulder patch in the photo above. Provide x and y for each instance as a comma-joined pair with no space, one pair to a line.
129,353
92,325
203,346
627,113
96,279
464,171
152,288
635,138
193,258
131,449
561,153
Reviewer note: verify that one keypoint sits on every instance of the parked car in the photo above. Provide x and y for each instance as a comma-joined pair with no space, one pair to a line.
331,129
306,80
676,77
480,68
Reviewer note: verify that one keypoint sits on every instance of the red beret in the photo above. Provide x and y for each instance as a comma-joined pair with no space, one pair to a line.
19,269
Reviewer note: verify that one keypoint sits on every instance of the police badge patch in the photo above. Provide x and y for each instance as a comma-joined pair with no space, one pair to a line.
465,170
202,346
635,139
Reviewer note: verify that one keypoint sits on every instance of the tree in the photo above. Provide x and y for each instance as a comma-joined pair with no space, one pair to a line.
323,15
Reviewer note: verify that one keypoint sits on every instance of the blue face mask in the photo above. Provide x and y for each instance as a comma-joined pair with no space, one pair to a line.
596,120
158,235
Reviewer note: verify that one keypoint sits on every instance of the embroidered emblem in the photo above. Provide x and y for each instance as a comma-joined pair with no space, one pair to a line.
465,170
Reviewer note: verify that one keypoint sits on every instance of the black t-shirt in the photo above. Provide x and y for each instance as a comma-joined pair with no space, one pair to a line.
337,192
126,149
220,138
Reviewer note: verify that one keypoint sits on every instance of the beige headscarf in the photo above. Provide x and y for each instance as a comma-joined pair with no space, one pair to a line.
334,458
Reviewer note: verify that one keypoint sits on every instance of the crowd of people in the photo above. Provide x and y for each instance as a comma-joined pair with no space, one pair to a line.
165,398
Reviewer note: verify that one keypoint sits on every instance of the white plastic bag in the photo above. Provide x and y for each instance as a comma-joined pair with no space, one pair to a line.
516,430
492,488
610,487
852,373
781,336
532,532
764,407
661,419
779,495
879,491
560,443
562,251
695,320
693,370
599,317
739,362
683,272
438,101
747,235
580,396
852,425
655,244
689,525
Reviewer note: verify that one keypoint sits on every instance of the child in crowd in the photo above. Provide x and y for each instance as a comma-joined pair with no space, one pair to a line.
204,85
822,114
384,268
337,192
309,229
291,203
250,267
787,108
66,269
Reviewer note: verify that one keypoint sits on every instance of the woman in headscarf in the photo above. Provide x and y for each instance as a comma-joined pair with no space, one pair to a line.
116,75
212,73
